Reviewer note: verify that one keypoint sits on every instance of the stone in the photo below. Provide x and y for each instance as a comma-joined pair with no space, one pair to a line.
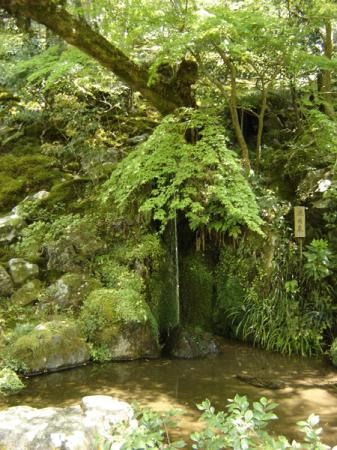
6,284
62,256
69,291
49,347
22,270
28,293
187,343
10,227
78,427
121,322
71,250
10,383
41,195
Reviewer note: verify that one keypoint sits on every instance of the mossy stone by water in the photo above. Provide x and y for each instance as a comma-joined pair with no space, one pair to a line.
50,346
10,383
121,322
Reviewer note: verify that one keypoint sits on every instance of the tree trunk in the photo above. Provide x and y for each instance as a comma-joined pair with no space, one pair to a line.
260,127
166,97
326,74
236,122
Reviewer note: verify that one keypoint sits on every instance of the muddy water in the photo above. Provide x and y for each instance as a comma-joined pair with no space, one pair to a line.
165,383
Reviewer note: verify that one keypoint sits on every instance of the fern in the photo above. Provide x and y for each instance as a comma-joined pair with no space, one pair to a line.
167,174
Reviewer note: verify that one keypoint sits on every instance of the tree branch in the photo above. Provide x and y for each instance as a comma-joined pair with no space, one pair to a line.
165,97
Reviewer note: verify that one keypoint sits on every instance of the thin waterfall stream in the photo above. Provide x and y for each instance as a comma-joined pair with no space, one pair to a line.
176,253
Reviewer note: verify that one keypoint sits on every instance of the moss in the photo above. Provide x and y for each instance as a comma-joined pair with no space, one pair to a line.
67,193
36,348
106,311
115,275
20,175
162,294
10,383
196,291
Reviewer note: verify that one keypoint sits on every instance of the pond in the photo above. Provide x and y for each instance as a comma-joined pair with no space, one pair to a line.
167,383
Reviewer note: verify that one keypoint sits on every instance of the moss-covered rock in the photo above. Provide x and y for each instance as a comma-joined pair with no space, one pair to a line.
10,227
20,175
22,270
28,293
333,352
69,291
6,284
50,346
10,383
188,343
121,322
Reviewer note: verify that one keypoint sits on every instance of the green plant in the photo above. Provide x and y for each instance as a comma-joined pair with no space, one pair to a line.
197,175
318,260
242,427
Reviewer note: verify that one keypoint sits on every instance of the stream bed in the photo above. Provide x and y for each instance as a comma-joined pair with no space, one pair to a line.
167,383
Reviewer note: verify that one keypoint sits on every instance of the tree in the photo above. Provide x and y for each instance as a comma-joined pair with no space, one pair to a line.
164,95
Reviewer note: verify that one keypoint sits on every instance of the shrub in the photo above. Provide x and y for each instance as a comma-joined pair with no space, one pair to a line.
242,427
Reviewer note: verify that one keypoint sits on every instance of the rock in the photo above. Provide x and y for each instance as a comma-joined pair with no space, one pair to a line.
62,256
28,293
22,270
188,344
72,428
121,322
69,291
6,284
333,352
10,227
70,251
19,209
261,382
50,346
10,383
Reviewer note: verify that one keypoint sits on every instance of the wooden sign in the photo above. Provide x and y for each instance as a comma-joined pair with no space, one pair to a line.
299,222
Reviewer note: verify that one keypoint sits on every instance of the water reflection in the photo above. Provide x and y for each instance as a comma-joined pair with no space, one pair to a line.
177,383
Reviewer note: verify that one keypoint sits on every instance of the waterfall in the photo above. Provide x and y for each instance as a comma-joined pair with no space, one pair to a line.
176,253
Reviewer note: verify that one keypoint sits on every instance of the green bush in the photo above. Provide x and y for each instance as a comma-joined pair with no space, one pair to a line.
242,427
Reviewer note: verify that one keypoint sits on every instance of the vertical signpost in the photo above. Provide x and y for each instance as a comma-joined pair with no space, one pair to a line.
299,225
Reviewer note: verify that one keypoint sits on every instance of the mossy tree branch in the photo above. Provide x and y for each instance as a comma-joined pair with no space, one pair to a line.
77,32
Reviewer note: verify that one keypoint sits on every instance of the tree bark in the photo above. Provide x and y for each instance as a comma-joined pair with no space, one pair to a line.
166,97
326,74
236,122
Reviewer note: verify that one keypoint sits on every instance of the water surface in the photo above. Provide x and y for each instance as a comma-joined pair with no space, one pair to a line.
167,383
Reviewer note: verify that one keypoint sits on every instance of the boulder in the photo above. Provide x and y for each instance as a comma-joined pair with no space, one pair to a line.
120,321
69,291
50,346
187,343
10,383
70,252
22,270
6,284
10,227
78,427
28,293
